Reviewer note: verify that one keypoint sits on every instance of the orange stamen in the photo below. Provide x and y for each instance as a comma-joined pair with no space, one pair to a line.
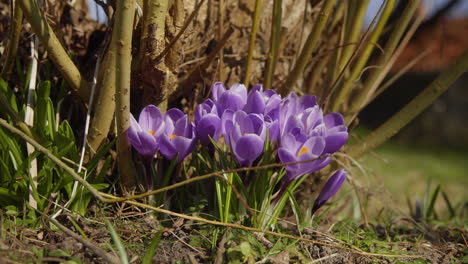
151,132
302,151
173,136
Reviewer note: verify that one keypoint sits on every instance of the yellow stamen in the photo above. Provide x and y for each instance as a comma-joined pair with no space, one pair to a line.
303,150
151,132
173,136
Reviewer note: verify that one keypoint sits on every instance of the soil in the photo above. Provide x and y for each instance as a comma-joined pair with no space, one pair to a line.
180,243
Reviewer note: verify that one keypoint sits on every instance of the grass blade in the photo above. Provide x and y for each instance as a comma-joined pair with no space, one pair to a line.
118,243
147,259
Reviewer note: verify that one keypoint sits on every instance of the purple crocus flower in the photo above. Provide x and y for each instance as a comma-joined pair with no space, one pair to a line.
329,189
207,122
265,103
297,147
262,102
144,134
179,135
290,110
245,134
233,99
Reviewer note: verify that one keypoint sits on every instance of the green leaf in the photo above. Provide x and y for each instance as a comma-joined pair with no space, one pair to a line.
430,208
118,243
151,250
9,143
9,94
8,197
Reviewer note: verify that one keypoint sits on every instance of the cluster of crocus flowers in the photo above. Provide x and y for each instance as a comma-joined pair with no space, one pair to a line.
245,119
172,133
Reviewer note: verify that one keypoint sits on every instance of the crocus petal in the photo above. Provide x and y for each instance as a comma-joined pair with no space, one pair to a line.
257,87
337,134
273,130
247,149
234,134
150,118
286,156
230,100
311,149
226,117
312,117
134,128
258,125
290,142
142,141
335,141
147,145
270,92
183,127
272,105
175,114
255,103
333,119
313,166
208,126
207,107
167,148
329,189
217,90
241,119
183,146
240,89
291,123
307,101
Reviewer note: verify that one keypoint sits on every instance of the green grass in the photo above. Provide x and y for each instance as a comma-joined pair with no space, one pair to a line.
405,171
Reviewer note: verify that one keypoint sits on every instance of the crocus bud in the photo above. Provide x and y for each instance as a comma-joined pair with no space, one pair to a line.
329,189
207,122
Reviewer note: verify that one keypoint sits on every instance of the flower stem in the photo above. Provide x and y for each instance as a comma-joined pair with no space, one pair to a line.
227,201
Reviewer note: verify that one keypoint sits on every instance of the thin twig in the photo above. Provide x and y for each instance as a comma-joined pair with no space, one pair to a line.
101,253
237,226
274,43
13,39
85,142
218,174
220,37
384,62
345,90
196,74
29,117
310,45
253,38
